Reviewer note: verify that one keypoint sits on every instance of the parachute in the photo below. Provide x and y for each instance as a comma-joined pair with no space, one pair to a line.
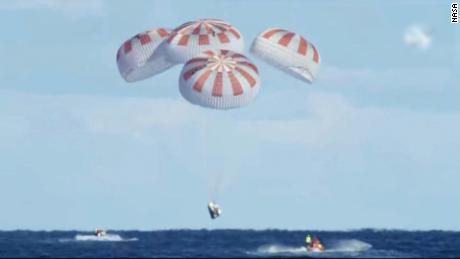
289,52
192,38
133,57
215,74
220,79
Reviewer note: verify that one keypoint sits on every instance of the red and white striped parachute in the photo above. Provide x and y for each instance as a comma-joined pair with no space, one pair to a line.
192,38
133,56
289,52
219,79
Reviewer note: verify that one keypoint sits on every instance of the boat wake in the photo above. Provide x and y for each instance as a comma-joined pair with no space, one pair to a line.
93,238
348,245
333,248
280,250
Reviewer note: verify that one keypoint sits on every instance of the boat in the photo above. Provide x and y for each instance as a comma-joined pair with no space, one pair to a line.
99,234
315,246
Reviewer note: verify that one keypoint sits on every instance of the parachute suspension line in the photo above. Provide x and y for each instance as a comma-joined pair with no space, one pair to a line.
213,174
204,135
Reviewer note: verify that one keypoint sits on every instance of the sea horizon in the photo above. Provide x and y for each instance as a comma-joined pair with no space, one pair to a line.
237,229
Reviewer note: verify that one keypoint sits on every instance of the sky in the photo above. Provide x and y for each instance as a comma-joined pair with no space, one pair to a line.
373,143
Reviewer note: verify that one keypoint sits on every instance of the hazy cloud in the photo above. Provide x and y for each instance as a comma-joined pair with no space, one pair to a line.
389,80
418,37
331,122
325,122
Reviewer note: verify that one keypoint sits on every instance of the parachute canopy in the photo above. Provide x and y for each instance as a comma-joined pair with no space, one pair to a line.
192,38
219,79
214,210
134,56
289,52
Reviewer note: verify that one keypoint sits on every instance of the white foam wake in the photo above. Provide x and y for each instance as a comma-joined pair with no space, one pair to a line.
105,238
349,245
333,247
280,249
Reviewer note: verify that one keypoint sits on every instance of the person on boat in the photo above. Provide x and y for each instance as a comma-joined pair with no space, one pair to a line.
318,244
308,239
315,245
99,232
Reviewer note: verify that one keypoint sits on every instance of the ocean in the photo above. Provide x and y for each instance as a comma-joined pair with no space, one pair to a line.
366,243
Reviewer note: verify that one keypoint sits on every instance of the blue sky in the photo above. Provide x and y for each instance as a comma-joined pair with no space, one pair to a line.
373,143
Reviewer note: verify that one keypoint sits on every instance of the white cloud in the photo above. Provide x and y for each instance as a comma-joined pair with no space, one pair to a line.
413,80
418,37
135,116
341,74
325,115
325,122
128,116
332,123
